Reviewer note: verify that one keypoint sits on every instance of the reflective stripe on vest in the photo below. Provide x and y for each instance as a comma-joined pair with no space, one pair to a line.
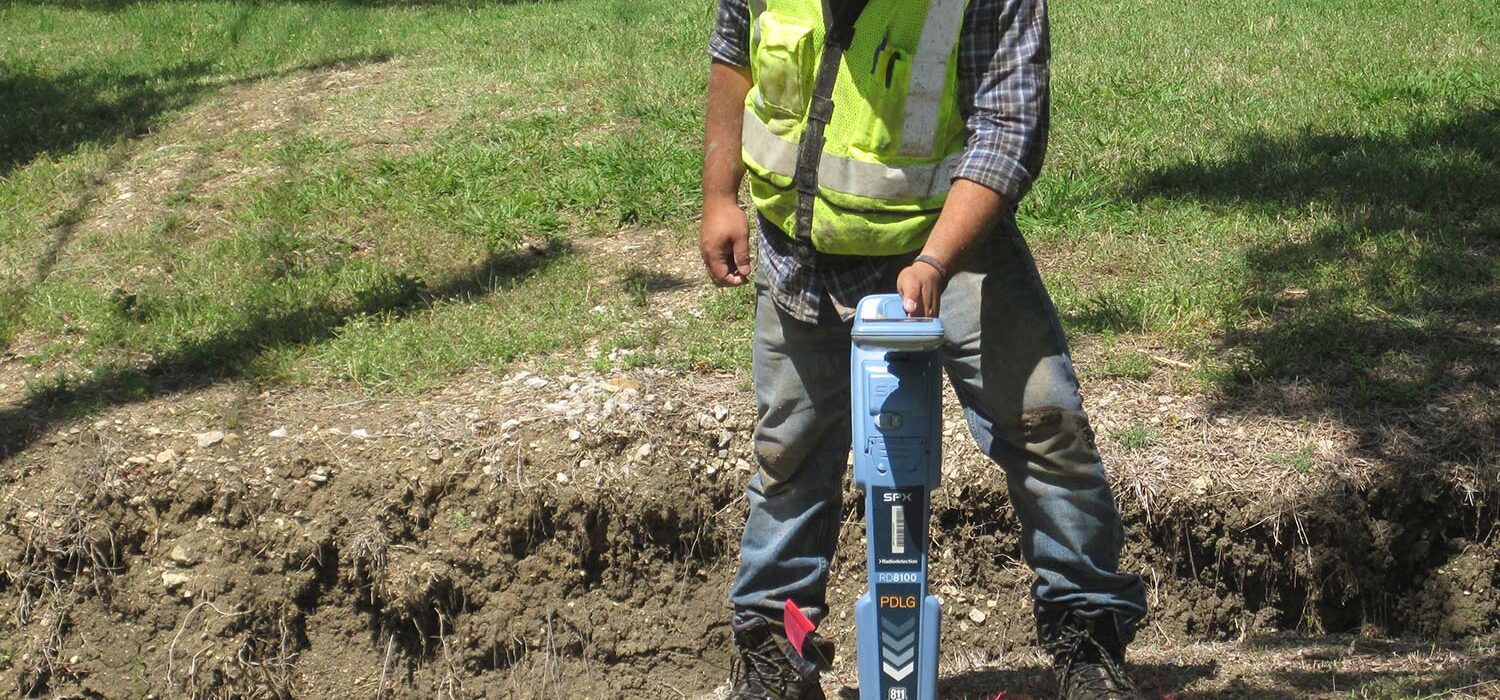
929,74
847,175
757,8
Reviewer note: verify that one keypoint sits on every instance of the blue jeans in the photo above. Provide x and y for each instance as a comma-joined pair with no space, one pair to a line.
1007,359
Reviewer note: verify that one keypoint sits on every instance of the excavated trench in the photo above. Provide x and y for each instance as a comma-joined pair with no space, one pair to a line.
464,554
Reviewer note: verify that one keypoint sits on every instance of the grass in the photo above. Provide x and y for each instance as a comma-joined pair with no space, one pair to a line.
1300,460
357,192
1116,360
394,267
1135,437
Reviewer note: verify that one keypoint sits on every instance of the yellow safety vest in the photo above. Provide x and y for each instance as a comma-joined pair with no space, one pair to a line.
895,136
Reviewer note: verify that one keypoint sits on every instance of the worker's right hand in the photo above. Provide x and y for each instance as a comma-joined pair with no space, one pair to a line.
724,239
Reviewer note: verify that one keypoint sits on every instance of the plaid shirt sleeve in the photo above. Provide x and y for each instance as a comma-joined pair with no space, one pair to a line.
1003,94
730,41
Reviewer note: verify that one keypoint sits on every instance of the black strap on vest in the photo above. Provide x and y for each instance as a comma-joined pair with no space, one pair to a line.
839,15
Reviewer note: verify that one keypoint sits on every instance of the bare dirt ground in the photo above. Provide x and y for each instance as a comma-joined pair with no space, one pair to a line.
571,534
555,531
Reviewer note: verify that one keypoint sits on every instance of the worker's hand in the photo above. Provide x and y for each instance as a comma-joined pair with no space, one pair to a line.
724,239
921,287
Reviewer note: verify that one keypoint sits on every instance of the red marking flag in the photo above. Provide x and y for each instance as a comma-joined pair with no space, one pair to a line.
797,626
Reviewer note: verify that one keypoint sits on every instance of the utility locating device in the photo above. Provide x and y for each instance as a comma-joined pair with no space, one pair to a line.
896,390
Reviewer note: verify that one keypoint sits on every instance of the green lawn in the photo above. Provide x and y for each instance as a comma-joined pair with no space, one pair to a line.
1307,188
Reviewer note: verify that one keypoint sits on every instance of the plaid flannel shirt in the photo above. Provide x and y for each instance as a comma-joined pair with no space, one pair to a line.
1003,54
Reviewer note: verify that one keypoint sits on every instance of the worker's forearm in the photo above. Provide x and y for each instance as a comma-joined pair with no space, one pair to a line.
971,209
722,165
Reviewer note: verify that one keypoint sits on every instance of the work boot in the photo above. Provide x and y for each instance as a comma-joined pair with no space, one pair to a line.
768,668
1088,656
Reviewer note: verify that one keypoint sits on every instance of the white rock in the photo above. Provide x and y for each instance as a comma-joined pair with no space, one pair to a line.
644,450
574,435
173,580
360,433
536,383
166,455
278,433
562,477
976,615
181,555
512,423
720,412
210,438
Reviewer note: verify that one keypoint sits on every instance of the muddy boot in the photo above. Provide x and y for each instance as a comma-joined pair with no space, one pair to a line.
1088,656
768,668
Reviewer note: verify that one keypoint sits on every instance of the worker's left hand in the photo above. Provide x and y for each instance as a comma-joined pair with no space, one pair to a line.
921,288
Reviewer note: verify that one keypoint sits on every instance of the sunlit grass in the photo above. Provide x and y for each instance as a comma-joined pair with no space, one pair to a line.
1262,196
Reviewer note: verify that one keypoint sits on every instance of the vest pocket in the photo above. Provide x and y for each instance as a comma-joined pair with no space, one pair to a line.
784,63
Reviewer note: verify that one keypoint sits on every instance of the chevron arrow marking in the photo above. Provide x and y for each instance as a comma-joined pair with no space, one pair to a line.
891,655
897,674
895,642
897,627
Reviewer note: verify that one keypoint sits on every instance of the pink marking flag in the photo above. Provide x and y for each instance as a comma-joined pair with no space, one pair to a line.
797,626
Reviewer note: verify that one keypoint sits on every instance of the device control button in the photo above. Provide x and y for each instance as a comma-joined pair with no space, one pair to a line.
879,455
888,421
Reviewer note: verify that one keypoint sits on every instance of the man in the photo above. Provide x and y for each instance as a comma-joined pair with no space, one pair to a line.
887,144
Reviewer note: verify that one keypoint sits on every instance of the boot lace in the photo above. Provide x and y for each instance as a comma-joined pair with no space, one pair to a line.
1083,653
763,669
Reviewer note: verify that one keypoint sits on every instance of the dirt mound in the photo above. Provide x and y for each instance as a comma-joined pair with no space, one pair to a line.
572,535
435,545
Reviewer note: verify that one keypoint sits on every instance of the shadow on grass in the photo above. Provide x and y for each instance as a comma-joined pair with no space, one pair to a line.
220,357
56,114
1407,267
640,284
1383,319
118,5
